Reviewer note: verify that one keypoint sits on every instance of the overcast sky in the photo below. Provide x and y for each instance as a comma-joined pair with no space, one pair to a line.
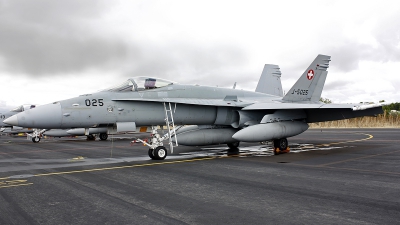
53,50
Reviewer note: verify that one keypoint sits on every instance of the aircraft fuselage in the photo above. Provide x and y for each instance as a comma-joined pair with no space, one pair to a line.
107,108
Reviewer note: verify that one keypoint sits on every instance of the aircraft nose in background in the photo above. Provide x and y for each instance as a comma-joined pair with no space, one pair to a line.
45,116
13,120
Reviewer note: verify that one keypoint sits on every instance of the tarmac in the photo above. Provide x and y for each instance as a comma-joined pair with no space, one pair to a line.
331,176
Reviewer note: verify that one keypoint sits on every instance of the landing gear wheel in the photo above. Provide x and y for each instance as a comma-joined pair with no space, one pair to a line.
103,136
35,139
281,146
233,145
160,153
151,153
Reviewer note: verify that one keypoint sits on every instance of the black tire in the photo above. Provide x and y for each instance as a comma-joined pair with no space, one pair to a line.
36,139
160,153
90,137
283,144
151,153
103,136
276,144
234,145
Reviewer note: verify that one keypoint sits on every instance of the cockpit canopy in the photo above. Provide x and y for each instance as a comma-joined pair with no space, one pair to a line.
140,84
22,108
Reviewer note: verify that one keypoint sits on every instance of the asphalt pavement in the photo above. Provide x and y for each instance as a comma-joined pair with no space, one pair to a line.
331,176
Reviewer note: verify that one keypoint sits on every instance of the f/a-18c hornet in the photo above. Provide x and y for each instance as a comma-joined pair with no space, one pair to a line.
216,115
10,129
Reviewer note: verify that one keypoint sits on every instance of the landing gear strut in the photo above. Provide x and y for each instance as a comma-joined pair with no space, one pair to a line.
281,146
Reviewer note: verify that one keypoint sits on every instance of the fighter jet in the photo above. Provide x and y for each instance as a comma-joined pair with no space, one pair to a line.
5,114
10,129
221,115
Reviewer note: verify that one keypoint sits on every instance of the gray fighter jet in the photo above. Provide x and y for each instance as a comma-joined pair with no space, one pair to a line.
221,115
10,129
5,114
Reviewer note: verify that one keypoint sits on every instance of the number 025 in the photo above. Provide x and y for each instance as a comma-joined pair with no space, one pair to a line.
94,102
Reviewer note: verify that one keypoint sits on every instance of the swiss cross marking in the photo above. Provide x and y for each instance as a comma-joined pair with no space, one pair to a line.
310,74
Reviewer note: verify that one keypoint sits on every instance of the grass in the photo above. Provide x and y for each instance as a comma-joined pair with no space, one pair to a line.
384,121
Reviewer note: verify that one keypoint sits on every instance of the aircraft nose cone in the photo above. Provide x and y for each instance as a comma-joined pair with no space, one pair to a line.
45,117
13,120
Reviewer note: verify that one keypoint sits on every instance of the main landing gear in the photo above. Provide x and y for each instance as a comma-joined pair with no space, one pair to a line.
281,146
90,137
233,148
103,136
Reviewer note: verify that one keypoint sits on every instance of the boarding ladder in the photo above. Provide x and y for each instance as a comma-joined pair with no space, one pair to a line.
169,122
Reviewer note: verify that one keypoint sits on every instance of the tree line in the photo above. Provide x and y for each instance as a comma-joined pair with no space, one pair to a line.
392,106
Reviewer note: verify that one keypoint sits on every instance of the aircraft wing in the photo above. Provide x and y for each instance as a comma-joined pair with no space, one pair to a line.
233,102
319,112
297,105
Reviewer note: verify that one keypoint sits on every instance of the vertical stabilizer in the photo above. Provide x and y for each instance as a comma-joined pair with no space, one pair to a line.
309,86
270,81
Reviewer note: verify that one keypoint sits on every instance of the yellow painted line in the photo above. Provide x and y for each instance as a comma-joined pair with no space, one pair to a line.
13,183
343,142
16,185
62,150
117,167
122,167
